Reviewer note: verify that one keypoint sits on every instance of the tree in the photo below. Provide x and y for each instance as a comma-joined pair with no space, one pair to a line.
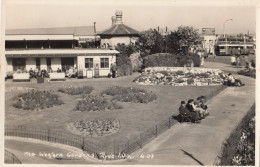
187,35
172,43
152,40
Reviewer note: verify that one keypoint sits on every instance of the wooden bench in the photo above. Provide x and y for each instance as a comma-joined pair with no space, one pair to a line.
57,76
19,77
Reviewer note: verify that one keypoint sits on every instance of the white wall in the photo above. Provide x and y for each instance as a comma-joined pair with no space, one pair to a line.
96,60
9,64
209,45
115,40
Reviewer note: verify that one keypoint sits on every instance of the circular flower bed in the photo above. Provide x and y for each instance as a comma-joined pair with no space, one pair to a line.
95,103
130,94
181,76
36,99
94,128
71,90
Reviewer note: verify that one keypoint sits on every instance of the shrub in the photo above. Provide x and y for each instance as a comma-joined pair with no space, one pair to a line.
95,103
179,72
196,59
35,100
136,61
76,90
130,94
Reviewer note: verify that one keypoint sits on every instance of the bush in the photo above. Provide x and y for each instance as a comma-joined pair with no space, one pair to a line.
136,61
95,103
196,59
130,94
76,90
35,100
190,81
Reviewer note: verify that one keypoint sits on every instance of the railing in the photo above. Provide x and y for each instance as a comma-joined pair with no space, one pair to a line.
82,143
10,158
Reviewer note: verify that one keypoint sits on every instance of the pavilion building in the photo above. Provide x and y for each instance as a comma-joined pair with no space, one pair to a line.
118,33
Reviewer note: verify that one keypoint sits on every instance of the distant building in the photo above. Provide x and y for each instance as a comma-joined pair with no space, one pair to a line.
118,33
208,40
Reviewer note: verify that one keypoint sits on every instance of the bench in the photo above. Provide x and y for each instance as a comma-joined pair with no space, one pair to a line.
19,77
57,76
185,118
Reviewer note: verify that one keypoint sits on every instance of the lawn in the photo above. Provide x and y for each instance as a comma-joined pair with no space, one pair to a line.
226,59
134,118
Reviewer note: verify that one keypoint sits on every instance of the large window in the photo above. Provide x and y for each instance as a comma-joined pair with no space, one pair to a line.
104,63
88,62
48,62
18,64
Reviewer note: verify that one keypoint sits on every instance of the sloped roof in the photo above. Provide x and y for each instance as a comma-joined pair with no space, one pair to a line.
82,30
120,29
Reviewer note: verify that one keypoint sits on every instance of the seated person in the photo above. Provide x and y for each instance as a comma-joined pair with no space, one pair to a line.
202,105
232,81
36,72
191,107
70,72
58,70
184,111
31,72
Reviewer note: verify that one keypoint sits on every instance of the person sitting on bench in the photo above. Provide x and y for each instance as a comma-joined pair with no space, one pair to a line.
192,108
184,111
232,81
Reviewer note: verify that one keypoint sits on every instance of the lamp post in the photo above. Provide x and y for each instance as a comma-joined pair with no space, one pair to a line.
224,24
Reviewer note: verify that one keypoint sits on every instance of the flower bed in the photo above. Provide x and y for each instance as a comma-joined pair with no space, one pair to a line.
94,128
95,103
179,76
76,90
130,94
35,100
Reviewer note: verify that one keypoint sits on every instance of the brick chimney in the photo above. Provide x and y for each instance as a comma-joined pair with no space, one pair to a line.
113,18
119,17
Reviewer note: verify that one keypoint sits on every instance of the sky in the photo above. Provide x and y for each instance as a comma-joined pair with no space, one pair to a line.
140,16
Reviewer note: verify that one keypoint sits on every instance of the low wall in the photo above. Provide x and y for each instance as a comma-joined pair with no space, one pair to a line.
185,69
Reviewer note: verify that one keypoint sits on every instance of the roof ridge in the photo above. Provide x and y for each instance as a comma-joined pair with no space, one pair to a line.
116,26
125,29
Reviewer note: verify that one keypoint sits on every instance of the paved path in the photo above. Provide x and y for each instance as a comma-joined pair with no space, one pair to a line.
186,143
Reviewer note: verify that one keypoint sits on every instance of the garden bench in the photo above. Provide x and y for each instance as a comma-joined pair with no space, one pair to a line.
57,76
21,77
185,118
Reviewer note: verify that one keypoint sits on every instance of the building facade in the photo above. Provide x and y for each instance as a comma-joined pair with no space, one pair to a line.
56,48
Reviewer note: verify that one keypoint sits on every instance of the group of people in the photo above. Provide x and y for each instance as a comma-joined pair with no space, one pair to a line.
197,110
230,80
38,73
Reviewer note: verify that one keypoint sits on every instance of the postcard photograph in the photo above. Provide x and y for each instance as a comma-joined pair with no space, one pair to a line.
129,83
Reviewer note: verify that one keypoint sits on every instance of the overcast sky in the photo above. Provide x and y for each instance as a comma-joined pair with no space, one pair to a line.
140,16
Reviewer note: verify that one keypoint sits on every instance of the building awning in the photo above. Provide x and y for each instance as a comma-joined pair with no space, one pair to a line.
59,52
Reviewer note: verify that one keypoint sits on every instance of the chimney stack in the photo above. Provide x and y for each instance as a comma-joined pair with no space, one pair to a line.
113,18
119,17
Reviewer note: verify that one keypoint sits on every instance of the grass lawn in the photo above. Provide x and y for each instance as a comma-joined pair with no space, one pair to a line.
226,59
134,117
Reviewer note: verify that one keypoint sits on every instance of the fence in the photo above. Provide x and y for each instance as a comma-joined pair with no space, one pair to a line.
10,158
80,142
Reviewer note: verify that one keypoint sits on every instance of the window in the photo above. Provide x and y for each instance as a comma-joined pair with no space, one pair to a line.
88,62
18,64
48,62
222,47
104,63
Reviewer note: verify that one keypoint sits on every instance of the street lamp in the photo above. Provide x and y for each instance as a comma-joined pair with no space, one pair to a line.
224,24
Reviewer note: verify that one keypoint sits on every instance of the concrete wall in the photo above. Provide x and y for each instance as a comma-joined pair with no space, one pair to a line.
96,60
